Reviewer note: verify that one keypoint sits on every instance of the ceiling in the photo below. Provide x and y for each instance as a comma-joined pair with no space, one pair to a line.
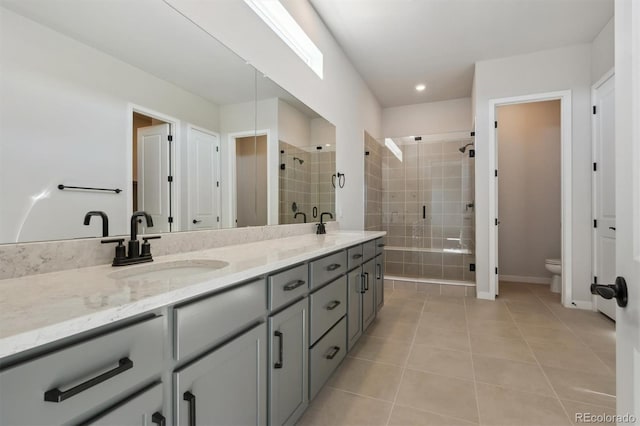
396,44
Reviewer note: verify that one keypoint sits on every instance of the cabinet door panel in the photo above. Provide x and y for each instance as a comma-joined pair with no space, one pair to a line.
138,410
288,364
354,300
379,289
229,384
368,297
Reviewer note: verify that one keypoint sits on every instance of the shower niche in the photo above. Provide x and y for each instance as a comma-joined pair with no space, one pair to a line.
428,208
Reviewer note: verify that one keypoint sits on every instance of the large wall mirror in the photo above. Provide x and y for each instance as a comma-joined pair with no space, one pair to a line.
123,106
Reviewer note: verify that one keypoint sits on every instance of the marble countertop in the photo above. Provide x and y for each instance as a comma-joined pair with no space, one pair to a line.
40,309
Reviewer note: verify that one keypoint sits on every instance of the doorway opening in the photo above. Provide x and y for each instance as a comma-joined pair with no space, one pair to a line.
519,215
153,165
251,179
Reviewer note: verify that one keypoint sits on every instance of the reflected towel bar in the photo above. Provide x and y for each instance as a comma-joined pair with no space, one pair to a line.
62,187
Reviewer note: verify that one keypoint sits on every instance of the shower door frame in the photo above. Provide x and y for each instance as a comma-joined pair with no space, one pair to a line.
564,96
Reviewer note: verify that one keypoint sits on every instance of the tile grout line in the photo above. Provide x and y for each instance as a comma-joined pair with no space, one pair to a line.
473,367
404,367
544,373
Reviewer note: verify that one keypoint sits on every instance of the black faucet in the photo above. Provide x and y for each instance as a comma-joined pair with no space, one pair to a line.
321,229
304,216
134,256
105,221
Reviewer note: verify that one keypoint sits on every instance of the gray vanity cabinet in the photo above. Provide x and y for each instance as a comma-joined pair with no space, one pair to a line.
143,409
368,295
288,364
361,300
379,287
228,386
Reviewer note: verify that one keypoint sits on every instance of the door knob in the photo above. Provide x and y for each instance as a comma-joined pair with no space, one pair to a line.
610,291
196,221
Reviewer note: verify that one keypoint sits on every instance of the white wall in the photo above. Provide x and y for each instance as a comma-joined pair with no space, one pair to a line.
341,97
602,51
427,118
294,127
529,188
64,120
322,133
566,68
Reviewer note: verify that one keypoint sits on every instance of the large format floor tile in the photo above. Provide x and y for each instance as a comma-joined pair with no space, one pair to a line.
443,359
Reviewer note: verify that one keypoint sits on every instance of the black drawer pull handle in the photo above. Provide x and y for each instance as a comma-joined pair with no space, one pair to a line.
362,285
333,353
366,282
331,306
57,395
613,228
333,267
280,337
357,256
158,419
191,399
378,271
293,285
380,245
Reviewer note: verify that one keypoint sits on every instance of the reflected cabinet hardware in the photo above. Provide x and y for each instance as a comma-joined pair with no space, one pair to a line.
304,216
136,254
321,228
86,188
105,221
616,291
57,395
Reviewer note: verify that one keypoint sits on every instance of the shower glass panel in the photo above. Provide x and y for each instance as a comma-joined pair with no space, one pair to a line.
428,209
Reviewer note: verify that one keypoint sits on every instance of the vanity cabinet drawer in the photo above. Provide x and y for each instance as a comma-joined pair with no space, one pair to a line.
142,409
369,250
328,305
64,386
327,268
354,256
379,245
288,285
326,355
202,323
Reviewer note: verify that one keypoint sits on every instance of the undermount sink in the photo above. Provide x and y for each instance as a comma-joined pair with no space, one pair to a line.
170,270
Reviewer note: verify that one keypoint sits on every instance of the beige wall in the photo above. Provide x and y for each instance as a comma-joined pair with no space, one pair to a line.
251,181
602,52
427,118
529,187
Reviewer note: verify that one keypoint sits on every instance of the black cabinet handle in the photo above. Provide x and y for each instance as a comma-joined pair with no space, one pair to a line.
280,337
196,221
613,228
362,287
357,256
293,285
191,399
378,271
381,245
333,267
424,212
331,306
57,395
158,419
333,353
366,285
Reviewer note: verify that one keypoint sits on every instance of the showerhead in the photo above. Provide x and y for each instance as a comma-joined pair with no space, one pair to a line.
464,148
300,160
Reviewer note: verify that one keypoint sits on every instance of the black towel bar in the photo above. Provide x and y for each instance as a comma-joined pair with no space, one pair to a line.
117,190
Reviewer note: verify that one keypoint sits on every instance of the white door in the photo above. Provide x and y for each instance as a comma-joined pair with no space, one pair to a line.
154,196
604,190
627,22
204,180
496,223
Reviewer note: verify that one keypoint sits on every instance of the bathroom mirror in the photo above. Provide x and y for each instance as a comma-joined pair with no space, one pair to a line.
126,117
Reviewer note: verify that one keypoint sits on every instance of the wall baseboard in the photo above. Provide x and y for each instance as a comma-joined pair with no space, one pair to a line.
523,279
582,304
485,295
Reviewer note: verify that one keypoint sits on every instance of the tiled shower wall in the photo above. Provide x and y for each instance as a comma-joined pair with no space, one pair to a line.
428,210
373,184
307,184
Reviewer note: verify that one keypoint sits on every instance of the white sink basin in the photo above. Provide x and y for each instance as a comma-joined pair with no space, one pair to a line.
170,270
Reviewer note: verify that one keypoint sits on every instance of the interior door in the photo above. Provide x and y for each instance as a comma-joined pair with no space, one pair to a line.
496,221
204,180
627,65
154,169
604,191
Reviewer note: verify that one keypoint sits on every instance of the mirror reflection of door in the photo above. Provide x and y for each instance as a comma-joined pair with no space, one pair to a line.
204,180
251,181
151,168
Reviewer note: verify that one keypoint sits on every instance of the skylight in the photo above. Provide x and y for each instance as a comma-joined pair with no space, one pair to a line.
274,14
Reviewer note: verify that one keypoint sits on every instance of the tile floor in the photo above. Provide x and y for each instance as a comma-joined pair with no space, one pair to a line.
433,359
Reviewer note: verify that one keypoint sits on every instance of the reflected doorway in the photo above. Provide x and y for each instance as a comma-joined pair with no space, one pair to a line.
251,180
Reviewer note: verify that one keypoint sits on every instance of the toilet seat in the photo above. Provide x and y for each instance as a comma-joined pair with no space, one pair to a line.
553,261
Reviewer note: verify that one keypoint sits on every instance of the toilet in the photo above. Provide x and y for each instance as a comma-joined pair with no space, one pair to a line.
555,267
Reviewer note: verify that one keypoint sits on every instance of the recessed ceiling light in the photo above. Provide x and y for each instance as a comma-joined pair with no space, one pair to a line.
328,144
420,87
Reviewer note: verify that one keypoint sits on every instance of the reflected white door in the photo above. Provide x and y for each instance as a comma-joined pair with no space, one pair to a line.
153,172
604,190
204,178
627,23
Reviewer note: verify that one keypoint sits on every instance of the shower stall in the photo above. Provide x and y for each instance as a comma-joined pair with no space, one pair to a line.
428,208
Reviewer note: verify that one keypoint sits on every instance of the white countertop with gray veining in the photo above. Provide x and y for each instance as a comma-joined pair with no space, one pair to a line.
40,309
